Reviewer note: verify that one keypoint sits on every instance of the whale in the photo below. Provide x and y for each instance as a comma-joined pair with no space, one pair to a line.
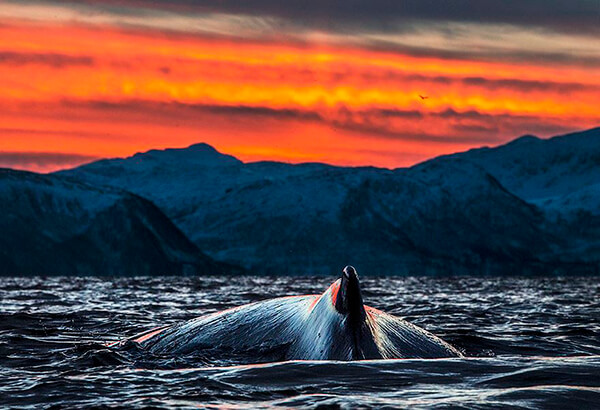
335,325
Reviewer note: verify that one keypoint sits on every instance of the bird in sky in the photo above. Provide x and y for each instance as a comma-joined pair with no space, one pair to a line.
423,97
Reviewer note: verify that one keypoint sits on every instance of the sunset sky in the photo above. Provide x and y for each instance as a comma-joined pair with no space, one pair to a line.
291,80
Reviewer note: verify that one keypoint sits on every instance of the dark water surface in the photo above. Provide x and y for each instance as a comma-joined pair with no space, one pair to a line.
533,343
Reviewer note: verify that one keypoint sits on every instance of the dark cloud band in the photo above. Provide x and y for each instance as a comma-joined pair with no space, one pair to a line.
563,15
467,127
54,60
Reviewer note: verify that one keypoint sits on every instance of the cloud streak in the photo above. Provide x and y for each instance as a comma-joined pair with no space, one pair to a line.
42,161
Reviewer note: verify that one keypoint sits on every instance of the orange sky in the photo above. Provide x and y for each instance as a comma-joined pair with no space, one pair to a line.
73,90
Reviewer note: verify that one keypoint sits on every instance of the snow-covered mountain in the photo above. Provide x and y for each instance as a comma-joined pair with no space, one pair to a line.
53,225
561,174
477,212
269,216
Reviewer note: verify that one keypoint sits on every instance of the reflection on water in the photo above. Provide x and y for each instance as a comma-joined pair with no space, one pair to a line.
532,343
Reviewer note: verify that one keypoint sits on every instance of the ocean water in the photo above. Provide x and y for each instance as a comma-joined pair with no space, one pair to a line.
529,342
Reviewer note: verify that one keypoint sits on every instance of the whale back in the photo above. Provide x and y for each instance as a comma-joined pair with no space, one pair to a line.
398,339
267,325
298,327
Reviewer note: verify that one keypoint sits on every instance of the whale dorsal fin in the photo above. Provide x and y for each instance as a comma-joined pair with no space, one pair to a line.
349,299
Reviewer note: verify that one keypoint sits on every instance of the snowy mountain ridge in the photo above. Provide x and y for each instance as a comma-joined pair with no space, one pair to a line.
540,170
513,209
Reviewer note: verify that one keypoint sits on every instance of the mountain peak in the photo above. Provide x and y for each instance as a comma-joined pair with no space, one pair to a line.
200,154
202,147
524,139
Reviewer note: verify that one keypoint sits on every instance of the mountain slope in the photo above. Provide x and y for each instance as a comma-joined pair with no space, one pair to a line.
542,171
51,225
453,217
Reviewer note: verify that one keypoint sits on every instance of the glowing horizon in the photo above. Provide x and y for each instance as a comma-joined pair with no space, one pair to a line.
81,82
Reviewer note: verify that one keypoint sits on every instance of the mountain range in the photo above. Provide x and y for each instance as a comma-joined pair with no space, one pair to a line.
531,206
